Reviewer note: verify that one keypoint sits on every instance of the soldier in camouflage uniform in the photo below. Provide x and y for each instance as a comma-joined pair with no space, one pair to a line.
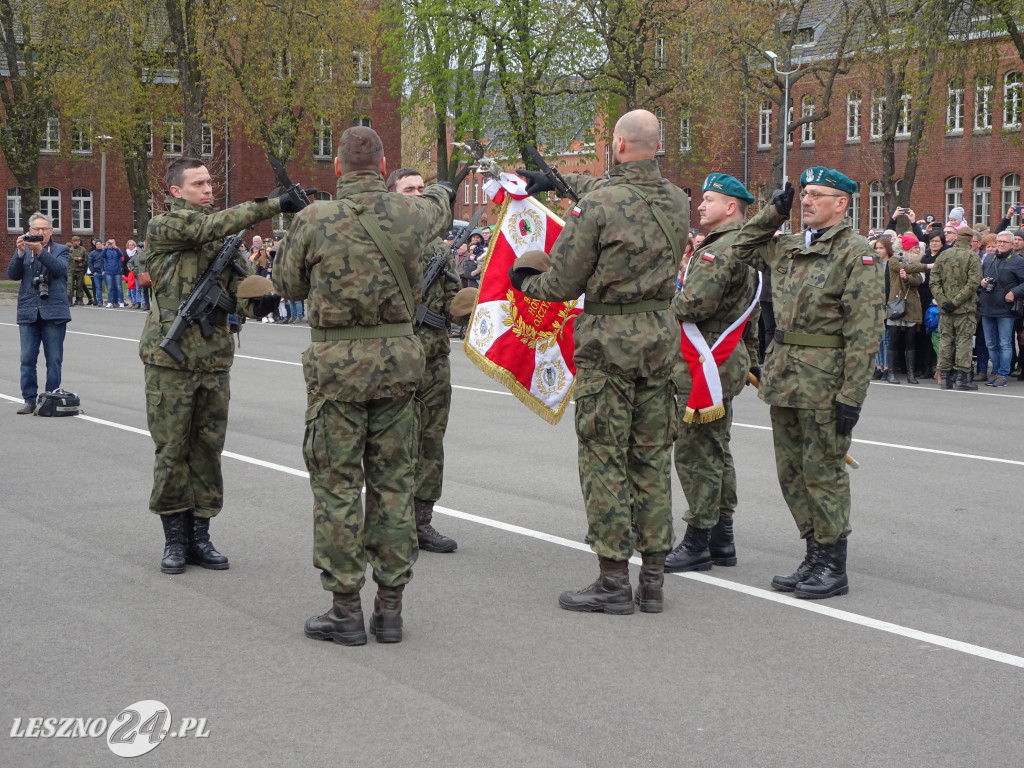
434,393
77,261
622,245
717,291
955,279
828,300
187,403
362,370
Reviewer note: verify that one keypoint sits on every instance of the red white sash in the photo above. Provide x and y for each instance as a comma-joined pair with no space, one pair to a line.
706,400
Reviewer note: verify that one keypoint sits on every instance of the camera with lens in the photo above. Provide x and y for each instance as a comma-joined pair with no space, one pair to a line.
990,284
32,238
42,284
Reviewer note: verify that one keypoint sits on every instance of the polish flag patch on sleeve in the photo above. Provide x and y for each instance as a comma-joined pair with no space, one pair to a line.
707,256
865,259
576,211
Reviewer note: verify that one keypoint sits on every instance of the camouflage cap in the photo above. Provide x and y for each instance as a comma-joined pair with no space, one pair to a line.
964,234
725,184
828,177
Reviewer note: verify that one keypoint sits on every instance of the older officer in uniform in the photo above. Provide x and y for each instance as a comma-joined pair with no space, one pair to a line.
357,262
719,294
187,403
955,279
828,300
622,245
434,393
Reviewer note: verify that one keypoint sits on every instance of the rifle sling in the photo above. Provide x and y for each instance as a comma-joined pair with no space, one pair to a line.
666,227
397,269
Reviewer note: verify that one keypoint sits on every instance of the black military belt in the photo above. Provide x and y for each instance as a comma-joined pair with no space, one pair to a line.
599,308
809,339
386,331
430,318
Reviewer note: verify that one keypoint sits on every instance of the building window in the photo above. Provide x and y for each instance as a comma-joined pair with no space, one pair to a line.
789,124
207,140
363,121
954,193
685,48
49,205
807,129
465,192
135,216
764,124
1011,195
903,122
660,114
173,132
476,193
51,136
13,209
277,224
323,141
361,67
81,210
955,107
853,212
81,137
321,195
877,116
148,141
659,52
876,206
684,134
1012,84
853,102
982,200
983,105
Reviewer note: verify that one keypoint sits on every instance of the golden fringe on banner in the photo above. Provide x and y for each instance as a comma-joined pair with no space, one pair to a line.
714,413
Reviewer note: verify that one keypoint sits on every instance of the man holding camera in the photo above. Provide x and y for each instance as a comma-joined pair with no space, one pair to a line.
1002,288
43,311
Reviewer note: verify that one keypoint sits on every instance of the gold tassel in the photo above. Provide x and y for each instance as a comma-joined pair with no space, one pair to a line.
714,413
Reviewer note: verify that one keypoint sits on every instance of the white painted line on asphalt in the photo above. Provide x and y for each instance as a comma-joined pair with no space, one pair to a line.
763,594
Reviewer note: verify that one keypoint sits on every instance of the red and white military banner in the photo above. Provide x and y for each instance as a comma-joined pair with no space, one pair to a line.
523,343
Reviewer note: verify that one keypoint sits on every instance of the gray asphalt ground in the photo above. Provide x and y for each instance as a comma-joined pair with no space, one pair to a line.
921,665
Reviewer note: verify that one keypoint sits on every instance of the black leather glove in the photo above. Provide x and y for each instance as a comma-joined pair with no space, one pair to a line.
755,371
265,305
846,418
948,307
293,199
536,182
450,190
782,199
518,274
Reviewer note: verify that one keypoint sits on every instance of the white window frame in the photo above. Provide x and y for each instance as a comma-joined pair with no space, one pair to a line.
81,138
983,106
323,139
465,192
981,210
789,125
51,136
1010,185
1013,99
135,215
954,190
659,52
853,211
660,114
277,223
807,106
853,106
14,209
149,141
877,116
174,130
764,125
207,147
49,205
876,206
361,65
955,111
81,211
903,121
320,195
684,134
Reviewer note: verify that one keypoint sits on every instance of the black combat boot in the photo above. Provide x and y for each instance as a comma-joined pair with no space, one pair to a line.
386,619
692,554
611,593
723,550
343,623
174,543
963,382
828,578
200,550
650,593
947,379
911,378
788,583
427,537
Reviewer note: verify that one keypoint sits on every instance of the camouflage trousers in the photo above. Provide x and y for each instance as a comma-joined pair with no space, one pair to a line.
346,445
76,284
956,341
625,428
705,468
187,413
811,461
433,404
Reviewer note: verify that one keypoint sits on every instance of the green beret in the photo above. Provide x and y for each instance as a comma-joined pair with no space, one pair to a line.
725,184
828,177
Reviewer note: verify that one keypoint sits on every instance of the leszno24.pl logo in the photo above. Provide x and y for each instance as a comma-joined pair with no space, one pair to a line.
134,731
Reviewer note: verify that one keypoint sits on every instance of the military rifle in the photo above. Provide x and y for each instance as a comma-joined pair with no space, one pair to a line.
562,188
205,297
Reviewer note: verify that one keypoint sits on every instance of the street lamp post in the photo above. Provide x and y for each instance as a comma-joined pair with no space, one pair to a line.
785,99
103,185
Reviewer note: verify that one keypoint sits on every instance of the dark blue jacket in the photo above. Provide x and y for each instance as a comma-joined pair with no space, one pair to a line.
53,262
112,261
95,262
1008,273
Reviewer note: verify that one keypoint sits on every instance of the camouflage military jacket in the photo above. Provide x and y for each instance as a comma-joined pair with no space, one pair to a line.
438,298
613,250
180,246
77,259
329,259
833,288
956,277
717,291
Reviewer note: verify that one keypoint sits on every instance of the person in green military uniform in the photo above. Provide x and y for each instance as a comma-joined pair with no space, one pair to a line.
77,262
828,299
956,277
621,245
356,260
718,308
187,403
434,393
